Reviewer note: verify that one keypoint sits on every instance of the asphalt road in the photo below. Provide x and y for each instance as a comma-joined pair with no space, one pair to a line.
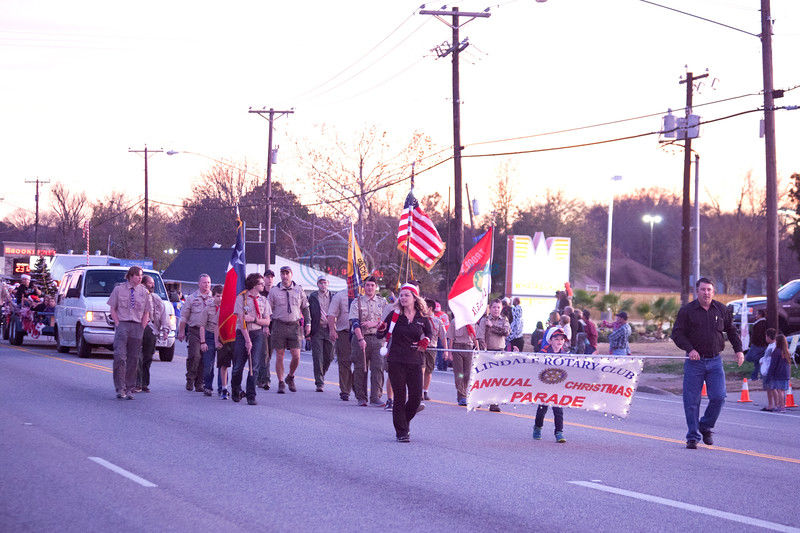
73,458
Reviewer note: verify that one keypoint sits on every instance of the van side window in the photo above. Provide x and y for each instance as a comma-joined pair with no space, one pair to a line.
76,282
62,288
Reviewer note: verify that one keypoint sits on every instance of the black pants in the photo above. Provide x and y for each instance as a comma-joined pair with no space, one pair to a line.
240,359
148,349
405,376
558,415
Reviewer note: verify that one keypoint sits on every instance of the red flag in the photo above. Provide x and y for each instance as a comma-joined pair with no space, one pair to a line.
234,284
417,232
470,292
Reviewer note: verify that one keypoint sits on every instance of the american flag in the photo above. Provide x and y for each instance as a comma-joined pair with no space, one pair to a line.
425,246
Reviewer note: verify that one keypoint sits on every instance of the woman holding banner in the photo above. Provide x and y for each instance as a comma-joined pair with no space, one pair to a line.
408,333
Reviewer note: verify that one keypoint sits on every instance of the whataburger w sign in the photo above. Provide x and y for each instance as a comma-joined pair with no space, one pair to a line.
583,382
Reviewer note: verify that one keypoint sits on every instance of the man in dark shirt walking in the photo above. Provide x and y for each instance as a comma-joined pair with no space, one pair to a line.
698,331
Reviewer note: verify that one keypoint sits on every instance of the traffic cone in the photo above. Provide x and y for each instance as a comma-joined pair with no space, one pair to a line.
745,397
704,392
790,397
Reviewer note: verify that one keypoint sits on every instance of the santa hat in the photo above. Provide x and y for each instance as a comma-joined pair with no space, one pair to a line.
411,287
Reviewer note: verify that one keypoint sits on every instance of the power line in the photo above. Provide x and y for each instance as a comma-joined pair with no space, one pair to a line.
354,63
369,65
605,141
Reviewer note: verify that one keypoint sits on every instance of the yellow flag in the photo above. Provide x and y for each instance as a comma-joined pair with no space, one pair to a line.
356,267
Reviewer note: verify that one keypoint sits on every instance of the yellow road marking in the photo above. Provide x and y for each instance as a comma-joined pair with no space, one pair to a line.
750,453
93,366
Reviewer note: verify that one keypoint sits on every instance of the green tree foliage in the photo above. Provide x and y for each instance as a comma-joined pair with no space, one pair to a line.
794,225
582,299
40,276
614,302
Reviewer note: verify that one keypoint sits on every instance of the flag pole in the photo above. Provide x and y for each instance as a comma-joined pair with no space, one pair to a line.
410,225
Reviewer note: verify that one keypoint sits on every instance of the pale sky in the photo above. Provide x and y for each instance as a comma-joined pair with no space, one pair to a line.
83,81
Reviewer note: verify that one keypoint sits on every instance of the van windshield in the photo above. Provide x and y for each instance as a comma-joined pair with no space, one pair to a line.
100,283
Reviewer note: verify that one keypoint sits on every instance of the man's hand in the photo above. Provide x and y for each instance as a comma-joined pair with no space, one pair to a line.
694,356
181,329
308,329
362,343
334,335
740,358
448,356
203,347
382,327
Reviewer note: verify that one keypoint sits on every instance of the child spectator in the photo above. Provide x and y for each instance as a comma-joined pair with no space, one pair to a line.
764,363
776,379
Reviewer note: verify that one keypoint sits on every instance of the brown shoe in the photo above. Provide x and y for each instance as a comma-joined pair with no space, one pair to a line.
290,383
189,386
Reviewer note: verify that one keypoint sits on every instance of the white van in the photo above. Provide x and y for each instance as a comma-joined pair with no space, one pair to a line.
83,319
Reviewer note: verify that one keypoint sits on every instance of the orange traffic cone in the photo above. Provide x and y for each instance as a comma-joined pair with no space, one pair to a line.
704,392
790,397
745,397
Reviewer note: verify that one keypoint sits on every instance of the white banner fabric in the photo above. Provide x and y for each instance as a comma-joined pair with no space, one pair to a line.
594,383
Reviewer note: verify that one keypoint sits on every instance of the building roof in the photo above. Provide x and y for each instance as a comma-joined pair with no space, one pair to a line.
190,263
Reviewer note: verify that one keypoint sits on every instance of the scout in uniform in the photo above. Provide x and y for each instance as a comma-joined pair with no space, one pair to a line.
289,304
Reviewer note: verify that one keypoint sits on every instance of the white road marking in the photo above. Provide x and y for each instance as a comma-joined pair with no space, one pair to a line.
688,507
121,471
728,406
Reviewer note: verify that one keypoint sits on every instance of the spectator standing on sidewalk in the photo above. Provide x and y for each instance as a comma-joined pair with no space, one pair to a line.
758,342
591,332
618,338
698,331
516,338
776,380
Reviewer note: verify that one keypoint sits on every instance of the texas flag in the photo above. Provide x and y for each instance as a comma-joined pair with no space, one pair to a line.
470,293
234,284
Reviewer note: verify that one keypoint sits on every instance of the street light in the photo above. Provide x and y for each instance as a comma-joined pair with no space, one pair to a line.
608,243
652,219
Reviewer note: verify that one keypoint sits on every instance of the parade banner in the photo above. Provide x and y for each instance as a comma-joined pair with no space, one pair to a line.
592,383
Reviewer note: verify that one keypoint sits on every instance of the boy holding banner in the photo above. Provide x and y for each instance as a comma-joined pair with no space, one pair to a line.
558,340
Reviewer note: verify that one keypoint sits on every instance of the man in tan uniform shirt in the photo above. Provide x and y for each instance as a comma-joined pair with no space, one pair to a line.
130,307
366,313
289,304
339,326
191,315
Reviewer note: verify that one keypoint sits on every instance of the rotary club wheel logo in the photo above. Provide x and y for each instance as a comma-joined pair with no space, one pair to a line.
478,279
551,376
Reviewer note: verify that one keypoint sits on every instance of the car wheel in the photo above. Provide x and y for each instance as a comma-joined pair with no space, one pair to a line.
15,334
83,348
166,354
59,347
5,329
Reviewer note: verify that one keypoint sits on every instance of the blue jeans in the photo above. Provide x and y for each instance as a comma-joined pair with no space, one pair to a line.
208,361
240,360
441,364
694,374
619,351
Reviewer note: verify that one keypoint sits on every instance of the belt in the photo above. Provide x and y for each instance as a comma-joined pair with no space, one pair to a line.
370,334
709,356
288,322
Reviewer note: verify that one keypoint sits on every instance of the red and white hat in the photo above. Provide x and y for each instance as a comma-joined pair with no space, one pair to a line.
411,287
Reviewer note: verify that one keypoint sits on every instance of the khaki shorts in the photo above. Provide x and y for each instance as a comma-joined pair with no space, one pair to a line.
285,335
430,360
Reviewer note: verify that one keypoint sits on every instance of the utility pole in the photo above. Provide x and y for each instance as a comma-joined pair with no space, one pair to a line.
37,181
771,170
455,48
269,115
145,151
687,191
696,256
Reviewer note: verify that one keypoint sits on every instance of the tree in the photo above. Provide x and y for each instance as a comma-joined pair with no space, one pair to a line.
69,212
794,198
41,277
116,226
